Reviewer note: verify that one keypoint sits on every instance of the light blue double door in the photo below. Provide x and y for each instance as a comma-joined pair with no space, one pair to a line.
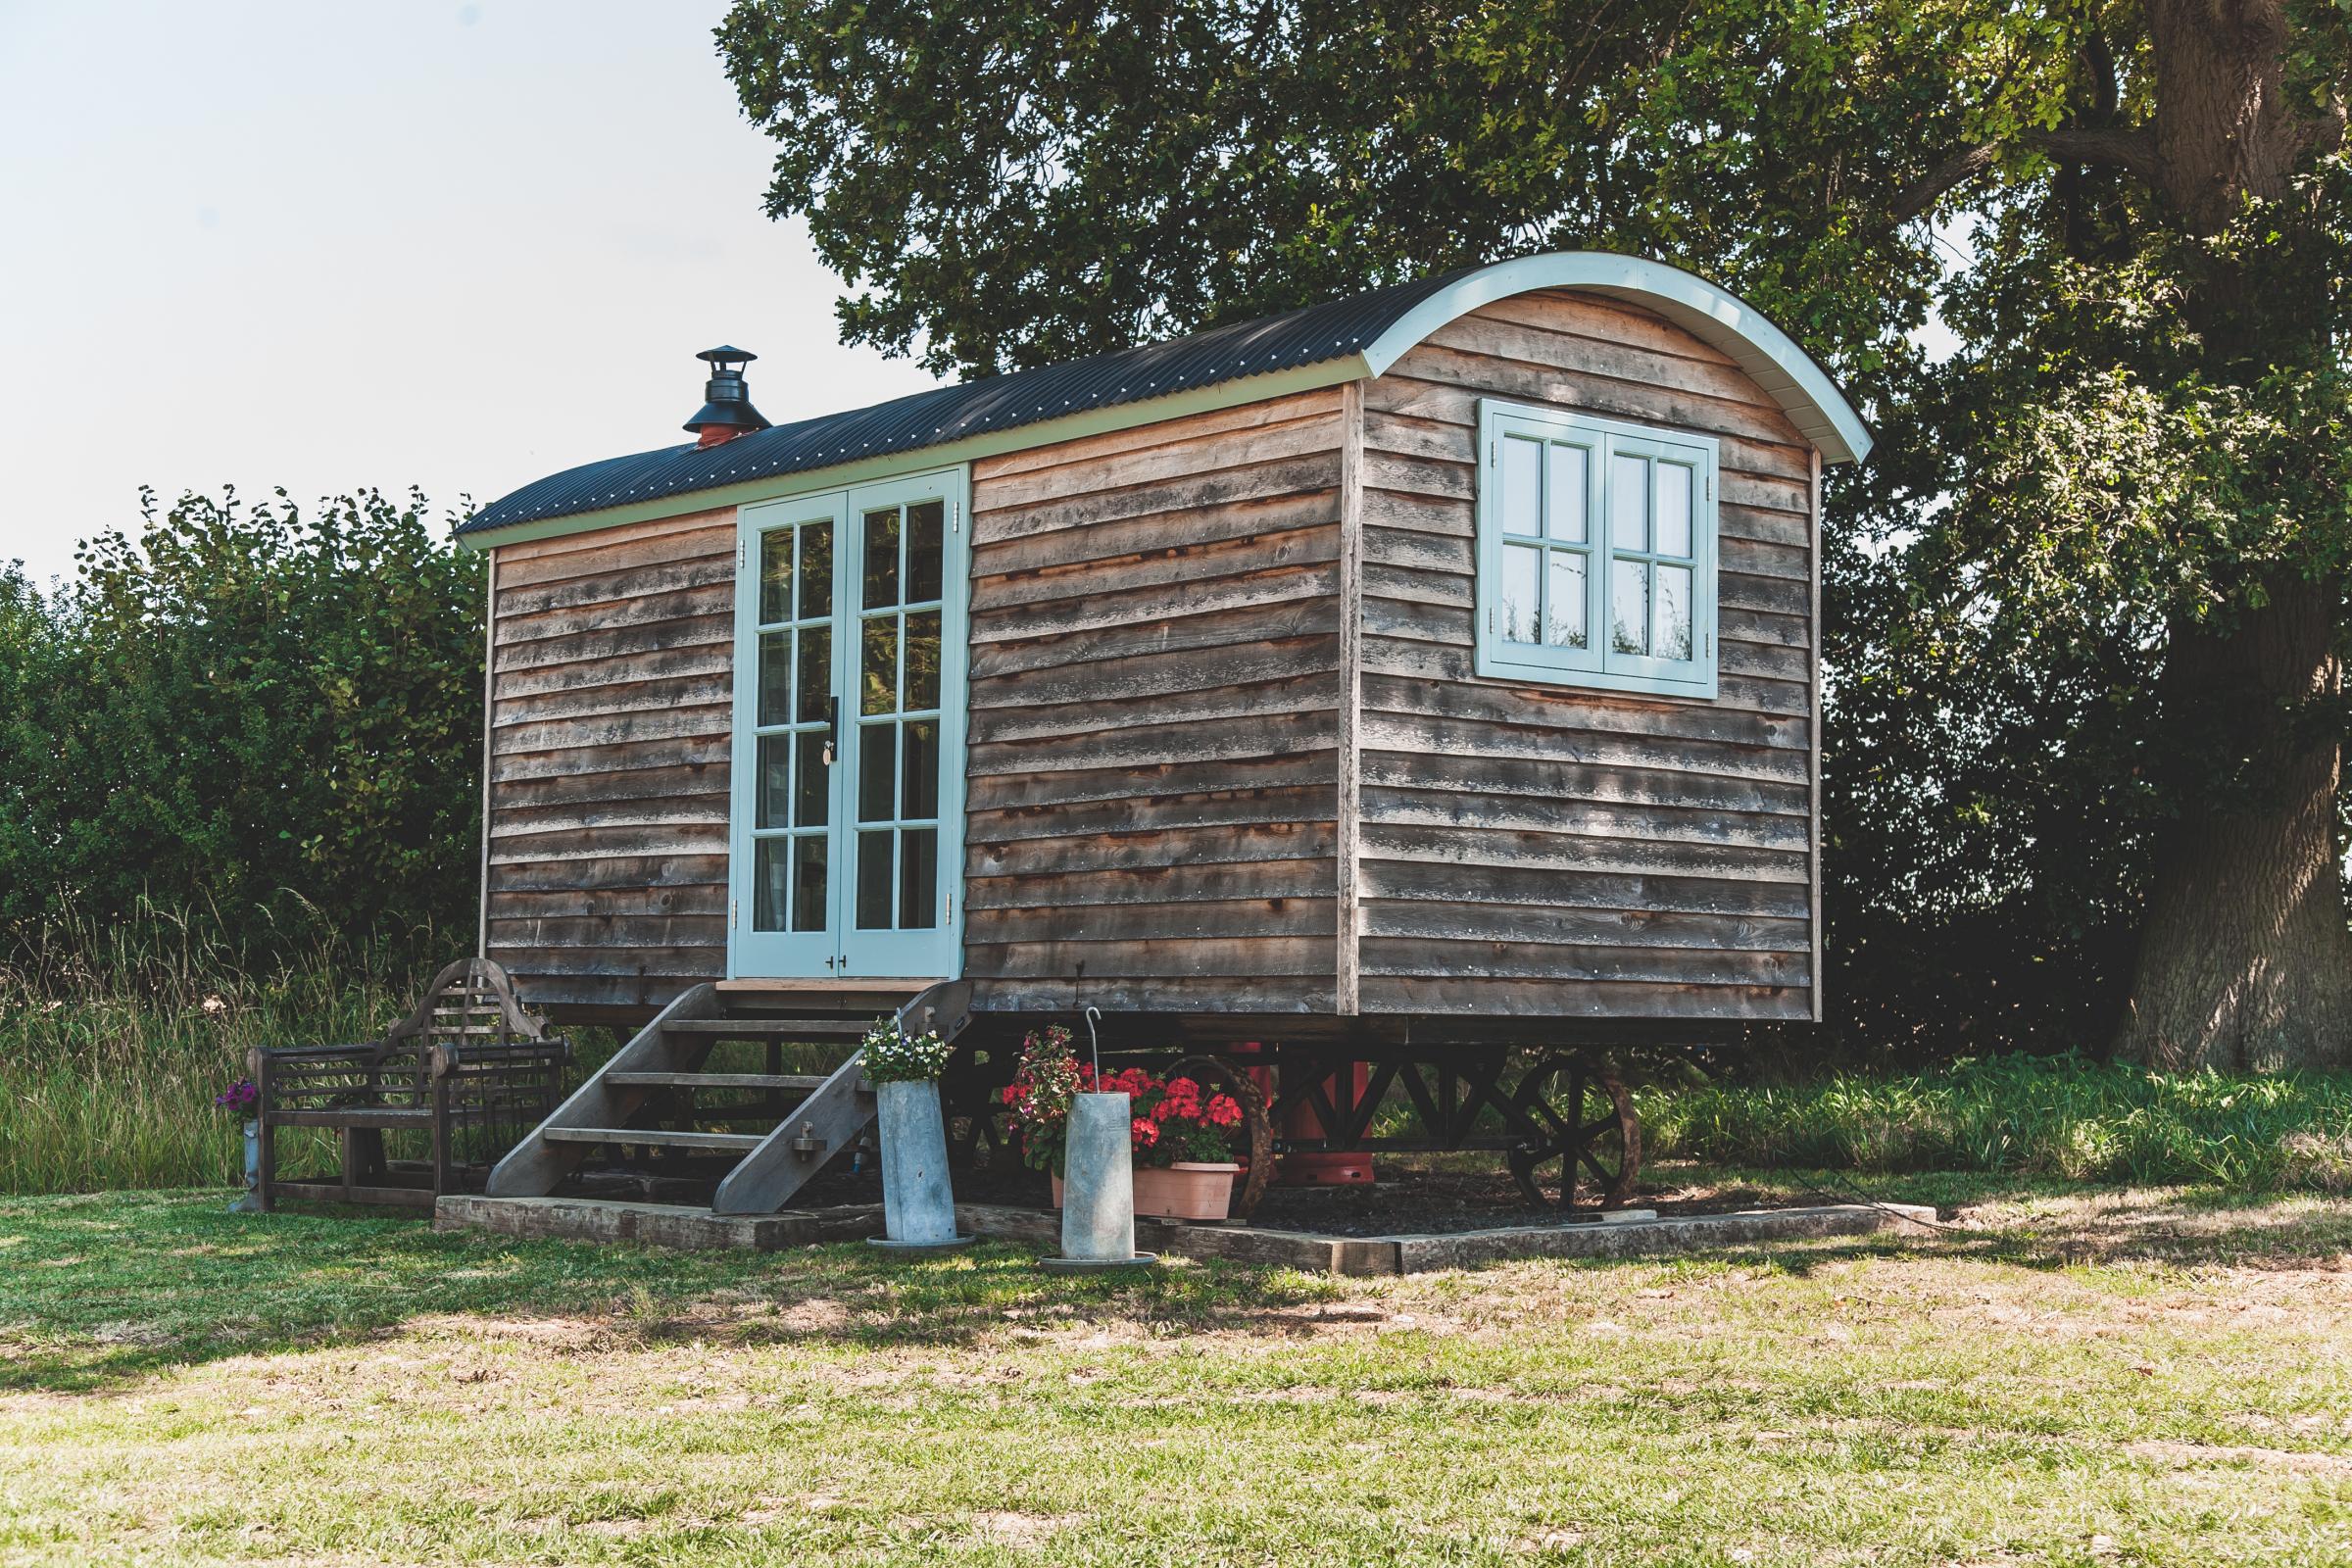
847,845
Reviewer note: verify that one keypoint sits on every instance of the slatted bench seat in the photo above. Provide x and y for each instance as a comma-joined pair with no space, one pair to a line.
468,1069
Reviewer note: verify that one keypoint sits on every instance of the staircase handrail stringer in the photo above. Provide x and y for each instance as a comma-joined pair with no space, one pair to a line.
834,1115
534,1167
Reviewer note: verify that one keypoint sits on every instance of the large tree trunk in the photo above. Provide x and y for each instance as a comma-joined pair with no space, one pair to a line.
2244,957
2244,960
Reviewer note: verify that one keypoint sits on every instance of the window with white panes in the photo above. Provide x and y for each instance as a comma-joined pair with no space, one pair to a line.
1596,553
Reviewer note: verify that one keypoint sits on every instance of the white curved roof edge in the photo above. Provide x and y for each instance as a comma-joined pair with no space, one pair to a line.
1712,315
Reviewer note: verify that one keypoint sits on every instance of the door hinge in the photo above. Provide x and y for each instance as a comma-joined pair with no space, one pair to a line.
951,907
733,906
739,548
955,517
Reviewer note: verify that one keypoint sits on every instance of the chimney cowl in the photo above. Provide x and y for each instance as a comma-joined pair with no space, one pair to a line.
726,412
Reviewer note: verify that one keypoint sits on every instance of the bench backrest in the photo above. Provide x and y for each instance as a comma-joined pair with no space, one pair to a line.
471,1003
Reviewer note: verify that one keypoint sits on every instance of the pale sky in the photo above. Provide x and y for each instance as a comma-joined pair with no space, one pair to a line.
377,242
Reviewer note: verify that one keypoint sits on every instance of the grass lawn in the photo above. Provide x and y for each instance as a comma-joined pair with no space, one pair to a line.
2079,1376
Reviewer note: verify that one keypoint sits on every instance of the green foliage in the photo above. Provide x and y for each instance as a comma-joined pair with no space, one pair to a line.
269,715
2065,1117
1014,186
109,1083
893,1056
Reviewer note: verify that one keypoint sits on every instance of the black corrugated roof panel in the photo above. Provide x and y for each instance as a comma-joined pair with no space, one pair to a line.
1331,331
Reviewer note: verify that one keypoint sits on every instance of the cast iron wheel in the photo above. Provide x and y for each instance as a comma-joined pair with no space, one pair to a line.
977,1138
976,1142
1260,1131
1577,1129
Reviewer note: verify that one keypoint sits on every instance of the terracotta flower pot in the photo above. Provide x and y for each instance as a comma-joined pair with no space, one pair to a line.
1182,1191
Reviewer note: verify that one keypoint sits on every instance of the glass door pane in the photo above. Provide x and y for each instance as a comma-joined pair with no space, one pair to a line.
848,844
791,802
898,717
905,846
784,863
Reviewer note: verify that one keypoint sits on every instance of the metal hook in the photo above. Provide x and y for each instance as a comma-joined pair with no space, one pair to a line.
1093,1043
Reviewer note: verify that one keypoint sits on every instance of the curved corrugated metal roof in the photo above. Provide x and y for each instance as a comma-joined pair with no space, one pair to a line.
1370,329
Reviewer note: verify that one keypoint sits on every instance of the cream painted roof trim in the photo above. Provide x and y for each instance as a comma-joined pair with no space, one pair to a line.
1713,315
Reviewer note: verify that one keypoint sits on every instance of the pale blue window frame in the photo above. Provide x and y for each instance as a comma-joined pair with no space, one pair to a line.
838,944
1596,553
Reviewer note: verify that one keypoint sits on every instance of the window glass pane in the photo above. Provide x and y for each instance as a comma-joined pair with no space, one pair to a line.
879,678
1629,608
881,557
1566,516
816,570
775,678
1674,612
1564,616
771,781
873,881
1629,502
812,791
922,661
1519,592
816,674
918,878
770,865
926,546
1522,485
1674,510
877,771
919,742
775,576
808,907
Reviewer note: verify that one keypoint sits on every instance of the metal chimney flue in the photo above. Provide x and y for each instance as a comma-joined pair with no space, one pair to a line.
726,412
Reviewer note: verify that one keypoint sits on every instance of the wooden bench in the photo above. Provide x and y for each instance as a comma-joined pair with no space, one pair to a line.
468,1070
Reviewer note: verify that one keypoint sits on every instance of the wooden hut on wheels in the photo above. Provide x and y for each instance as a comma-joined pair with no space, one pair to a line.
1409,681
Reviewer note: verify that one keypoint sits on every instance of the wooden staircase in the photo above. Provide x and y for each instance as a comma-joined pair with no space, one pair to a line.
659,1107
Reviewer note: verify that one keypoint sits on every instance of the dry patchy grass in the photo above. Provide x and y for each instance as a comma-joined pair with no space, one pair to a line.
2067,1377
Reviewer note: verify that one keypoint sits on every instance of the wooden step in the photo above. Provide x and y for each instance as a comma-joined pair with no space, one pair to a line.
801,1081
653,1138
772,1028
821,986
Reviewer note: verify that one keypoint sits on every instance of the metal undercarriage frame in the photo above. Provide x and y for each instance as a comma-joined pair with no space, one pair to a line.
1559,1114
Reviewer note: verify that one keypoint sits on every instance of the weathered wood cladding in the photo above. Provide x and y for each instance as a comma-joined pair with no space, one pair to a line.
610,685
1155,684
1227,752
1532,849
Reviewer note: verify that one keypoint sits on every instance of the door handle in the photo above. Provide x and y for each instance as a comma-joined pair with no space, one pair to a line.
832,730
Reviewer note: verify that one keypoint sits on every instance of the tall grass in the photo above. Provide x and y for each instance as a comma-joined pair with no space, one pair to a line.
2064,1116
115,1040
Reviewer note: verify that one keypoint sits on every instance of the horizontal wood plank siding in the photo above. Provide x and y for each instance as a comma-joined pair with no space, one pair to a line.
1154,692
1532,850
612,681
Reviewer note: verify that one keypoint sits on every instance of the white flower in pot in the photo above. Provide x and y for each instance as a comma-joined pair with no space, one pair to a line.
918,1204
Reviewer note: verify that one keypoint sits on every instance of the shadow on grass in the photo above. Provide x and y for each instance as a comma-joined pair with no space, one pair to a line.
96,1291
102,1288
2047,1223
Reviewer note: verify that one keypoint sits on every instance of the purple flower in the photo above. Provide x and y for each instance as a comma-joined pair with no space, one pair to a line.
241,1097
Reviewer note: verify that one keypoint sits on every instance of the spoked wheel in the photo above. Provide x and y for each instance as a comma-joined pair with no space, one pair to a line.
978,1141
1577,1129
1257,1132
